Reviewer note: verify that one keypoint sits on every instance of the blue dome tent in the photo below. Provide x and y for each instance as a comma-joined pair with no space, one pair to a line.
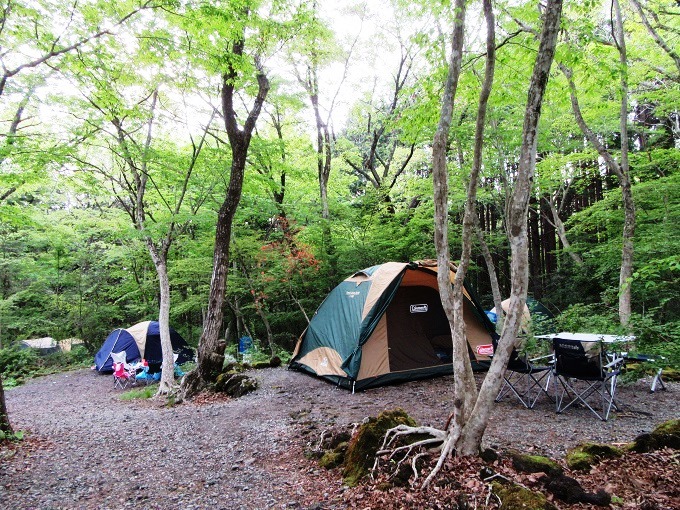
141,341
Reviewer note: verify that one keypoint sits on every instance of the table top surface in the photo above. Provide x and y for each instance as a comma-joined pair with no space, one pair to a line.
589,337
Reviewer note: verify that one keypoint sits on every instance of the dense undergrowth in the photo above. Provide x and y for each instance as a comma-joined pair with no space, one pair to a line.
19,365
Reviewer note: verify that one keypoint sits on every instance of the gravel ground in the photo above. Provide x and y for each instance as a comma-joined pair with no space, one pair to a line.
88,449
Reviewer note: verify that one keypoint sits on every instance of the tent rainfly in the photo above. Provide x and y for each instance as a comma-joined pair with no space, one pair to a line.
141,341
386,324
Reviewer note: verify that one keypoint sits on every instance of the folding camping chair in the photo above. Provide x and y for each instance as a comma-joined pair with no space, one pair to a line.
122,378
525,379
121,357
657,381
585,371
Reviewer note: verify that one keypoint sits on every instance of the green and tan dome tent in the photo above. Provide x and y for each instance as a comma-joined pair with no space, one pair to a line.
386,324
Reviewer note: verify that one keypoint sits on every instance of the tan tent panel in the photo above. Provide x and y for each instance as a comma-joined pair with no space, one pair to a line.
138,332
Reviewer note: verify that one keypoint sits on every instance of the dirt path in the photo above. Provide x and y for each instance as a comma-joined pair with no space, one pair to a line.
88,449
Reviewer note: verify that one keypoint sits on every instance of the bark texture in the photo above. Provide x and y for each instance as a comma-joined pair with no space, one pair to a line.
441,230
5,426
518,207
210,346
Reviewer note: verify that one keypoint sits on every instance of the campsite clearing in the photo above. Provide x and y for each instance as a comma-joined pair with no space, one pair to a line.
86,448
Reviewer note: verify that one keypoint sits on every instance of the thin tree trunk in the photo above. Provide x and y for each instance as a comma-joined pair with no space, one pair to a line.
620,169
655,35
5,426
493,278
562,232
441,229
626,189
469,217
475,426
167,383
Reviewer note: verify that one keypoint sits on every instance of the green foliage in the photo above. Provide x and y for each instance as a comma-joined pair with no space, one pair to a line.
653,337
18,365
17,435
72,265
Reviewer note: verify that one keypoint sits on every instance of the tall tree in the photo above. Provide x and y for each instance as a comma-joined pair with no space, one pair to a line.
314,53
471,410
25,26
620,168
211,346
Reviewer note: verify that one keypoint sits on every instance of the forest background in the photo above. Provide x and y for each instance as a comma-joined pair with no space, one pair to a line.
339,172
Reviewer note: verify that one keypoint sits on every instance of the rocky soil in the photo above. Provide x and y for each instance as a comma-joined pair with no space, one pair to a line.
86,448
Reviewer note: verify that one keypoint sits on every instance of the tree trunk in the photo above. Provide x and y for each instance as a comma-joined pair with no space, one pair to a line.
562,232
466,389
4,417
441,229
624,177
493,278
167,384
210,346
620,169
473,430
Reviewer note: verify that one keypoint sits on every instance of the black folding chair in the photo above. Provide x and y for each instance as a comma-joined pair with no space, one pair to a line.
525,379
585,374
657,381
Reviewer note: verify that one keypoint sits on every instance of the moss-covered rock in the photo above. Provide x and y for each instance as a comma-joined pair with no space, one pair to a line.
259,365
666,435
514,497
330,460
367,441
534,463
336,440
584,456
232,367
275,362
235,385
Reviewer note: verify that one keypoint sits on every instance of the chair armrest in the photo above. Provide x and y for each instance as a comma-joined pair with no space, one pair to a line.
615,362
547,356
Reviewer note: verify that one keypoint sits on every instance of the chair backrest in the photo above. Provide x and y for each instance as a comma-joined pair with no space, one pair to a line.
119,369
578,359
516,362
119,357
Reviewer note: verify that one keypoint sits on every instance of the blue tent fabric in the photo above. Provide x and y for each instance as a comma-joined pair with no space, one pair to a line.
121,340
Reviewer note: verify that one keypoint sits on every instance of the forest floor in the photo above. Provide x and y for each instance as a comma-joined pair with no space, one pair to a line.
86,448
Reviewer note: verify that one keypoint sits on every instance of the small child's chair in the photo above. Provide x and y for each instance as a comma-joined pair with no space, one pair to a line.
121,377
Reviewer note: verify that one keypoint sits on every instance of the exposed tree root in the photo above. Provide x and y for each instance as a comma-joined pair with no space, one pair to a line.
167,389
411,452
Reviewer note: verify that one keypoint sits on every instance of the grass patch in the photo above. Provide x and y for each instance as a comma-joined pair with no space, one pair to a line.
137,393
